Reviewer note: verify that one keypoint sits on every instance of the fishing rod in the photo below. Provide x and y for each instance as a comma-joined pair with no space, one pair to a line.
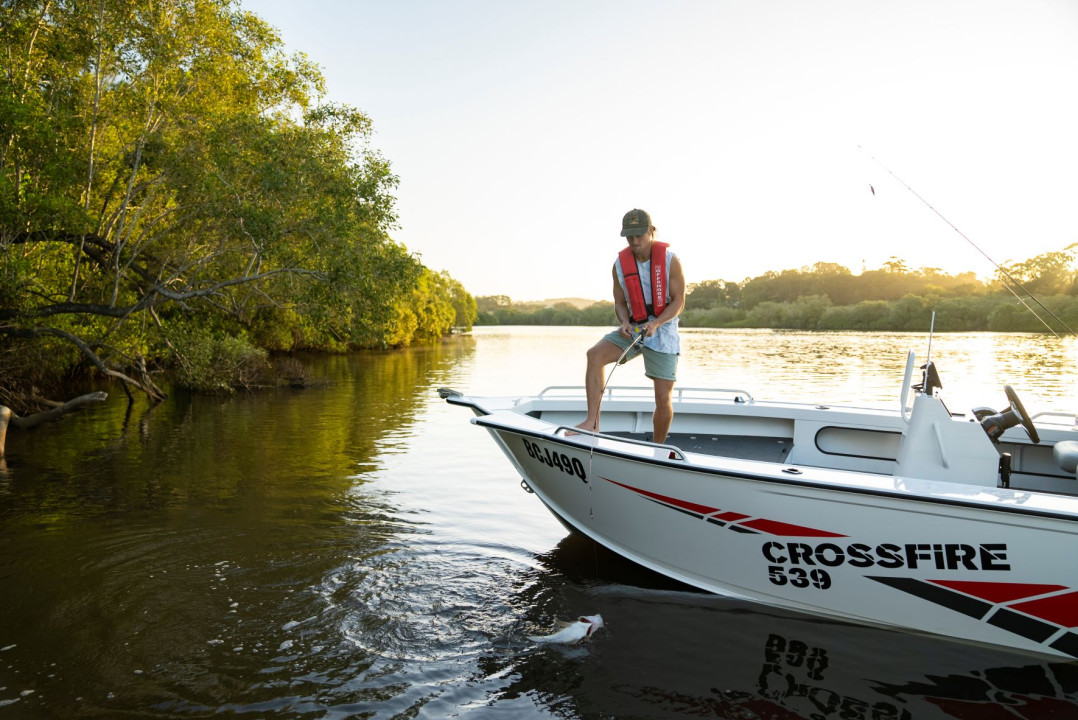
998,267
638,340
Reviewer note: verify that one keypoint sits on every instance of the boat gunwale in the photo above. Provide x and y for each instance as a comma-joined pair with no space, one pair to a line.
995,505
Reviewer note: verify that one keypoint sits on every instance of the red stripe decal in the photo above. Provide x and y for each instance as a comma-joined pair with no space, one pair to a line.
1060,609
684,504
775,527
997,592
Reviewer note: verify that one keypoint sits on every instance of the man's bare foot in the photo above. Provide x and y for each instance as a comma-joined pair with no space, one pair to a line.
590,426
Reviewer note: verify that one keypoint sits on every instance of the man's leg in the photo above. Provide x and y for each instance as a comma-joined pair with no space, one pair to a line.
664,409
600,355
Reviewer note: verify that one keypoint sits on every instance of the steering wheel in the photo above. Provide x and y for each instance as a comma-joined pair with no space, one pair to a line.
1020,412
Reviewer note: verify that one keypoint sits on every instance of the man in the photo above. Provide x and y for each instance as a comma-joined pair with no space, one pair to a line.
649,294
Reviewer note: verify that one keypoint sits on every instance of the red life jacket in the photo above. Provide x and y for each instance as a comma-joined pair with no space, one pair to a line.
638,306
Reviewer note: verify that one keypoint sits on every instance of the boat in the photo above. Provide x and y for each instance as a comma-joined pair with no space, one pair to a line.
957,524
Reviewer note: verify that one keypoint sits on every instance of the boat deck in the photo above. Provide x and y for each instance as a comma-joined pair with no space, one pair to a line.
945,447
742,447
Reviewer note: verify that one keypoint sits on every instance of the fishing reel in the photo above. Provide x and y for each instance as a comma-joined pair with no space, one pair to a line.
995,424
638,339
930,380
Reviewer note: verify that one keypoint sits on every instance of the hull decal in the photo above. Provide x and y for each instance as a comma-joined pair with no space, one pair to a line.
1045,614
1022,625
1059,609
774,527
683,505
997,592
735,521
1067,643
1037,612
935,594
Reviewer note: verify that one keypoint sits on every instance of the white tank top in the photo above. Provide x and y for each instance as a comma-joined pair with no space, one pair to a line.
666,339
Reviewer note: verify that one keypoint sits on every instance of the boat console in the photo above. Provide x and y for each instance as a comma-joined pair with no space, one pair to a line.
1066,455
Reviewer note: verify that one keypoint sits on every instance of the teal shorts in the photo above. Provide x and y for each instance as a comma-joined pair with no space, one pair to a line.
657,365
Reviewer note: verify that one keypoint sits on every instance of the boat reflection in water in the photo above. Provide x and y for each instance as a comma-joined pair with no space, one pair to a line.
670,651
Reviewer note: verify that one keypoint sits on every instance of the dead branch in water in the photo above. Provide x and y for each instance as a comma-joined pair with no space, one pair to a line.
7,417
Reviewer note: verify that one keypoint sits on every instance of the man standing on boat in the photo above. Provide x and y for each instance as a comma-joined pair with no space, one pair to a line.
649,294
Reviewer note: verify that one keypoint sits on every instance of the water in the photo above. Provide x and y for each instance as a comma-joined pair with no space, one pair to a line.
360,550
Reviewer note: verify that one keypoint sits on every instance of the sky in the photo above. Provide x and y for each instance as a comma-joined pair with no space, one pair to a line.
759,134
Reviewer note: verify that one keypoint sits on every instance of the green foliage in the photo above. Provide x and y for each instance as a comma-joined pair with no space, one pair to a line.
891,282
600,313
870,315
563,314
963,314
910,312
827,297
164,160
715,317
836,318
712,293
1059,312
41,363
1052,273
465,311
805,312
213,362
766,314
433,303
492,303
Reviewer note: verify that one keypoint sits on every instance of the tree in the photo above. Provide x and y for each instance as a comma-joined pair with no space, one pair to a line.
465,311
165,166
491,303
1051,273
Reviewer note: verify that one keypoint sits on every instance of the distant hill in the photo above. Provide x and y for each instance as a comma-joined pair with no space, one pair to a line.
578,303
490,303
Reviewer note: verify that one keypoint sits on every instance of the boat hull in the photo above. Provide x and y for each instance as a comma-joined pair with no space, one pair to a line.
947,564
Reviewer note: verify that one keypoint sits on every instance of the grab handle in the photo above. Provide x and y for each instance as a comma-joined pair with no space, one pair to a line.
675,452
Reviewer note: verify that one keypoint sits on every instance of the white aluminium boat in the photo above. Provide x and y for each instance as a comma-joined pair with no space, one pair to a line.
961,525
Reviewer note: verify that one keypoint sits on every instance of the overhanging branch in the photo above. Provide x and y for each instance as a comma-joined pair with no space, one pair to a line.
145,385
8,417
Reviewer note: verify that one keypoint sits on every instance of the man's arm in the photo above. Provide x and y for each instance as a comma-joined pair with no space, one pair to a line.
621,306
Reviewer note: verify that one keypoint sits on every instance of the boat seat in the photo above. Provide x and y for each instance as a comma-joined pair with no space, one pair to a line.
1066,455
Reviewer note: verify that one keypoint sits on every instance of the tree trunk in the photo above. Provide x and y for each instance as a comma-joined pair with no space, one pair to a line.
7,417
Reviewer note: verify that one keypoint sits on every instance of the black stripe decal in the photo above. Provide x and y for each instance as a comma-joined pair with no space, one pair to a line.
1027,627
941,596
690,513
1067,643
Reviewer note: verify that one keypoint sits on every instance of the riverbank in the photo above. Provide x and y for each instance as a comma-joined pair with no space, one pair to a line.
998,312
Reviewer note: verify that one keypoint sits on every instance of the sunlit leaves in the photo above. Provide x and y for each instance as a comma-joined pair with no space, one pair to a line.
164,162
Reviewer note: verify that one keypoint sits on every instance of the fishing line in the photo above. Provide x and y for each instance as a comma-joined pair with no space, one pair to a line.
639,340
998,267
598,409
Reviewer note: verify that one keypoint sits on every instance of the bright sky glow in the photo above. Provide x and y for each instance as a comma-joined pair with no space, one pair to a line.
523,130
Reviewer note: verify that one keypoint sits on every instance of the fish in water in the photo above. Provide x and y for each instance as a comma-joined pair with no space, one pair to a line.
572,632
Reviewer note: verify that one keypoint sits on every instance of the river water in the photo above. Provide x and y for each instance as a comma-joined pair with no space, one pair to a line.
359,550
